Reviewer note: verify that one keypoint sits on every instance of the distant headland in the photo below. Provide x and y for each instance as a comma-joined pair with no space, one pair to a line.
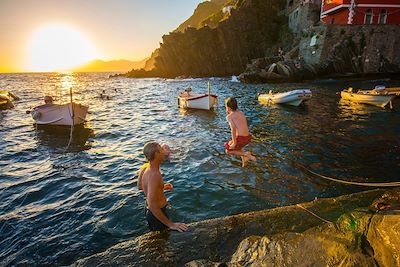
120,65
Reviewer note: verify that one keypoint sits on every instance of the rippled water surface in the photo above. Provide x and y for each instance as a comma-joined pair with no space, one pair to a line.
58,206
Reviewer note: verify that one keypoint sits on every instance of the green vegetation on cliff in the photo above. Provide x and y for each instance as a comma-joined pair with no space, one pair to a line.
202,13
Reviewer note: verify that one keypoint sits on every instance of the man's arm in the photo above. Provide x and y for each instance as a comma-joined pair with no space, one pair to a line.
153,192
140,178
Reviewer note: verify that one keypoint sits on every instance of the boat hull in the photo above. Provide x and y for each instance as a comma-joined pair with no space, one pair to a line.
293,98
60,114
376,100
205,101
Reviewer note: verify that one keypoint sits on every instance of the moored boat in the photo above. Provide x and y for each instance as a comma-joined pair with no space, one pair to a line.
294,97
187,99
68,114
378,97
55,114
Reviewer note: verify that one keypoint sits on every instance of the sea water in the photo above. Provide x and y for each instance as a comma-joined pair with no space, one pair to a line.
59,203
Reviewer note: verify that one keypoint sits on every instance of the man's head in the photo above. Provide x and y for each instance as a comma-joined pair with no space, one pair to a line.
166,149
48,100
153,151
231,104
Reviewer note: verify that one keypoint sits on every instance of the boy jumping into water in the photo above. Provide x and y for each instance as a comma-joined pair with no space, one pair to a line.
151,182
240,132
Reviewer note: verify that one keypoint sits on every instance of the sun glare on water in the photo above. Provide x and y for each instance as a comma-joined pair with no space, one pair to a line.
58,48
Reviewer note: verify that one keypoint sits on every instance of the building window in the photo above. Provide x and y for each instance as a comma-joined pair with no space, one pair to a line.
383,16
332,20
368,16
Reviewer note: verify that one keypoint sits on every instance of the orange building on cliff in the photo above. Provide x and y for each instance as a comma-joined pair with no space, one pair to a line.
360,11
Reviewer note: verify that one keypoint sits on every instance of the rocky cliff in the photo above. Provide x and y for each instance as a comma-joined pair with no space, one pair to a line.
248,29
359,230
333,51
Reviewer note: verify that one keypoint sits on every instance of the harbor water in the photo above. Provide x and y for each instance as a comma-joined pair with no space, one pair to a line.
59,203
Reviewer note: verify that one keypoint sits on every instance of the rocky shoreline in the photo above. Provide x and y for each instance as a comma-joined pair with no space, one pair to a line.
337,51
363,231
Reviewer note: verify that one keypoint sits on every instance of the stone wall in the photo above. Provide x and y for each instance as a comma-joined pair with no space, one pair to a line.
303,16
312,44
375,47
353,48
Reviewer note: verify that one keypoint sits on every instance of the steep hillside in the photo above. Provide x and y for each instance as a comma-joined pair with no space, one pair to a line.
252,30
208,13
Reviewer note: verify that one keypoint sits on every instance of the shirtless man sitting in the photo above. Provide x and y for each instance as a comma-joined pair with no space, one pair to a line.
151,182
239,130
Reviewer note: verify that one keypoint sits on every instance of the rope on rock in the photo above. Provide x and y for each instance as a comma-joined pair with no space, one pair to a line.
313,214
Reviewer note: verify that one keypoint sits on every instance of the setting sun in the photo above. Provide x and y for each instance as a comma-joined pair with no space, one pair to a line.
58,47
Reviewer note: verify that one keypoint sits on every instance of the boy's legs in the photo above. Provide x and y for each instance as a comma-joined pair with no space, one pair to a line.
250,156
240,153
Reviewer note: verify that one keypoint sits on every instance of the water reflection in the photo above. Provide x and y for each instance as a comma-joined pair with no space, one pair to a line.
303,108
349,110
205,114
67,81
58,137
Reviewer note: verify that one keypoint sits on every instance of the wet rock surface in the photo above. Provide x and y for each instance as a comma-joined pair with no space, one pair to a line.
359,235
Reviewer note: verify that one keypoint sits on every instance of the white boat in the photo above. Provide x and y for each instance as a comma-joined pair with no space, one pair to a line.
377,97
187,99
294,97
234,79
65,114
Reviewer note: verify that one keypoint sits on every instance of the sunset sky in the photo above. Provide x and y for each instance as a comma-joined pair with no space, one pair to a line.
33,33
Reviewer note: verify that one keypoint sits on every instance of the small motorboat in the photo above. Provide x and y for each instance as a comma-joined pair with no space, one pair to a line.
294,97
379,96
6,99
68,114
187,99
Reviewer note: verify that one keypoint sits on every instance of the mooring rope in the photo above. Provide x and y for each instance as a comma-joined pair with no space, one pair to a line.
386,184
72,118
313,214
